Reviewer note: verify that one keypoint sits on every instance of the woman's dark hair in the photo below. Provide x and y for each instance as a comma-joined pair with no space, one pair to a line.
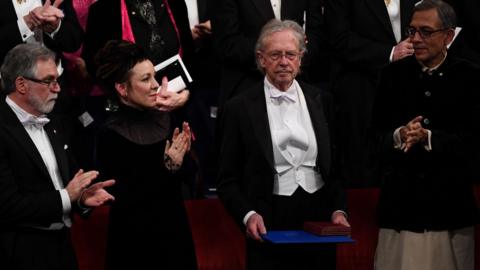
115,61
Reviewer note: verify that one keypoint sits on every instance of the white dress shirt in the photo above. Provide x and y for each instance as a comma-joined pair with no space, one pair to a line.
277,7
393,9
44,147
293,140
192,9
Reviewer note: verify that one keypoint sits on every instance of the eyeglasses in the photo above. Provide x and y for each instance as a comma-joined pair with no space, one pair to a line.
424,33
277,55
49,83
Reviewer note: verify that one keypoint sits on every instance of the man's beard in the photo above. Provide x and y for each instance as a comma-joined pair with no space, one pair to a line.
43,106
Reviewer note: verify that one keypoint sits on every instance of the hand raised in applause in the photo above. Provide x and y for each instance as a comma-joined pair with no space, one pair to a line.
175,151
168,100
46,17
413,133
94,195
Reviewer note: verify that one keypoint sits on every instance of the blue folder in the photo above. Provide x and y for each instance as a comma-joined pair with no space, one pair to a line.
302,237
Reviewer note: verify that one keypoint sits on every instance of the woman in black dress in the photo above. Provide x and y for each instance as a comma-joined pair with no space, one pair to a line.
148,225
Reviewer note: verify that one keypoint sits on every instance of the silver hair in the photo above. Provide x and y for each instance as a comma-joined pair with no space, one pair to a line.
274,26
22,61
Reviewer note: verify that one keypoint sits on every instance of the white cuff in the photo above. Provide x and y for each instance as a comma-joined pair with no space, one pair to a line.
247,216
339,211
428,144
391,55
25,32
52,35
66,204
397,139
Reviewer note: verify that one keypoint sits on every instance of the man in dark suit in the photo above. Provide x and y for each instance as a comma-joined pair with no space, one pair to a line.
275,156
467,44
236,25
204,95
365,37
57,21
426,121
36,193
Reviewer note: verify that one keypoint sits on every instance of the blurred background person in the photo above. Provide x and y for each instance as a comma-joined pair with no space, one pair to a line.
34,21
203,104
236,25
160,27
426,120
37,197
365,37
136,145
467,43
275,157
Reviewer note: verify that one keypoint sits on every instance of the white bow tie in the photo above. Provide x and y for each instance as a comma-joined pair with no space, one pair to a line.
287,96
38,122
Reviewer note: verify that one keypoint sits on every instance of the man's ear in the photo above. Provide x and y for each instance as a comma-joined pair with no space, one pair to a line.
21,85
261,59
450,36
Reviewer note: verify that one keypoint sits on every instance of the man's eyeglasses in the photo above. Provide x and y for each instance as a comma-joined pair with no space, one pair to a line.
424,33
49,83
277,55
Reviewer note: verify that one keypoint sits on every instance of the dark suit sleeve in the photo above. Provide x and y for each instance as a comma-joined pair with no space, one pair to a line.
10,37
69,37
351,47
230,164
314,31
335,190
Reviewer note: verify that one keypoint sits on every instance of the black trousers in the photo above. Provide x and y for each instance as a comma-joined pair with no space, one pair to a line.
28,249
289,213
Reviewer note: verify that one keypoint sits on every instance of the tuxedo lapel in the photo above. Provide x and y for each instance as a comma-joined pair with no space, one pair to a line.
19,134
202,10
322,136
59,151
257,113
380,10
406,7
265,8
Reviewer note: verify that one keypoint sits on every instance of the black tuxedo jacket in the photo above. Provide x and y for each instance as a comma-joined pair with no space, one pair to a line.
28,197
27,194
247,167
361,33
105,23
68,38
236,26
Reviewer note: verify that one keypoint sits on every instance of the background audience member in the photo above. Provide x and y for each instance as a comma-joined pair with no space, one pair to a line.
427,122
30,21
365,37
275,158
159,26
37,196
467,44
134,147
236,26
204,95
